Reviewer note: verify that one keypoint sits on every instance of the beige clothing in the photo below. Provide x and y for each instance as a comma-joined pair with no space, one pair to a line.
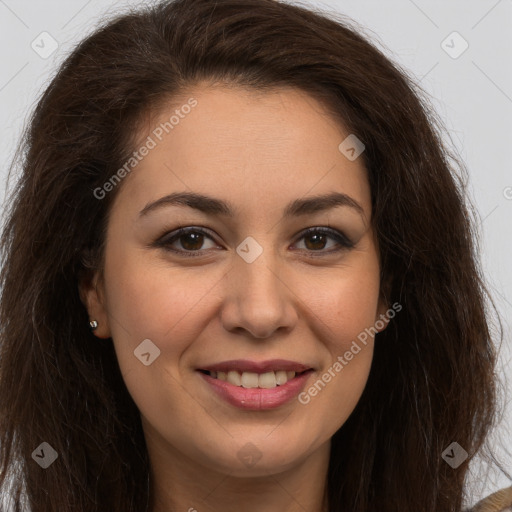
500,501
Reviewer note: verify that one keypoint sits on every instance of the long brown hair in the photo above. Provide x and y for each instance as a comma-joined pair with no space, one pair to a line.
431,381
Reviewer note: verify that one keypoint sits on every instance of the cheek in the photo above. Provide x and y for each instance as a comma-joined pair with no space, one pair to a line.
345,301
152,298
165,305
148,300
347,312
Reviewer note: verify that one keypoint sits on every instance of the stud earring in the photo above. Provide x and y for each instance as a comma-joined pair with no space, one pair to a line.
93,325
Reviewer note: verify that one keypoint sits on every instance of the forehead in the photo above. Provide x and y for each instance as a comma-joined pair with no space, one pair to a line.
259,148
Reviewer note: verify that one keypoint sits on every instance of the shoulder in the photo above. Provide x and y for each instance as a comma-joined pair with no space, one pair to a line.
500,501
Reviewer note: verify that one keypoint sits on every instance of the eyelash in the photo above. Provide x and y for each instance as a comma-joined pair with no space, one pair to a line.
165,241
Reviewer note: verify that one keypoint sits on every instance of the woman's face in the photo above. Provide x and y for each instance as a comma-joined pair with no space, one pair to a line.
243,288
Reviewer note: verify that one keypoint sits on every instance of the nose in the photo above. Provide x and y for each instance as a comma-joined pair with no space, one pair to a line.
258,300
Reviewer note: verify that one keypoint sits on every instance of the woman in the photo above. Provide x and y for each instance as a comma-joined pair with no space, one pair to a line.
251,209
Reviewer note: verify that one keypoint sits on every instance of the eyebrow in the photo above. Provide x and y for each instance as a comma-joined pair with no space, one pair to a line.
213,206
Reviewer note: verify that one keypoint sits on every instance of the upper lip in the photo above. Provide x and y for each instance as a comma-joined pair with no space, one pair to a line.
245,365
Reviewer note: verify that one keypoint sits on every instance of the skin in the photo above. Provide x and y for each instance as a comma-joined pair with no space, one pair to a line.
298,300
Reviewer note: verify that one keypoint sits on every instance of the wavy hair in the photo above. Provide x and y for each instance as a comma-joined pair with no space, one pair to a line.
432,377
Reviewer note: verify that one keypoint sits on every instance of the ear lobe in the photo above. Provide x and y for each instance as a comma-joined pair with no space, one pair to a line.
91,291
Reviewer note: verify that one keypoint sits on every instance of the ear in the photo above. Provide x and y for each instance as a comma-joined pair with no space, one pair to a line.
383,305
92,294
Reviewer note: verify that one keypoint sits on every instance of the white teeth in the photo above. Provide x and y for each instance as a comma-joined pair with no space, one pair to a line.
234,378
267,380
251,380
281,377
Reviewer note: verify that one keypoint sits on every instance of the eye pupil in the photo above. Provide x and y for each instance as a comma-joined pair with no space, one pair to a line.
316,238
196,238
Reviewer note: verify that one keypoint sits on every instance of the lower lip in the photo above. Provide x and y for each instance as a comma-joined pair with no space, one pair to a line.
258,399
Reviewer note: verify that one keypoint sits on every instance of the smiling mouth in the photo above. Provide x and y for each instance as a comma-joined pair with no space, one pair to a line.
251,380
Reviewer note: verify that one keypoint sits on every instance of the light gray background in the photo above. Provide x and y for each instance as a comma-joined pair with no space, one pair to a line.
472,94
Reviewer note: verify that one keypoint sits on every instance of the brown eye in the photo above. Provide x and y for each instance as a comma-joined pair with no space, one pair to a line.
191,241
317,239
186,241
